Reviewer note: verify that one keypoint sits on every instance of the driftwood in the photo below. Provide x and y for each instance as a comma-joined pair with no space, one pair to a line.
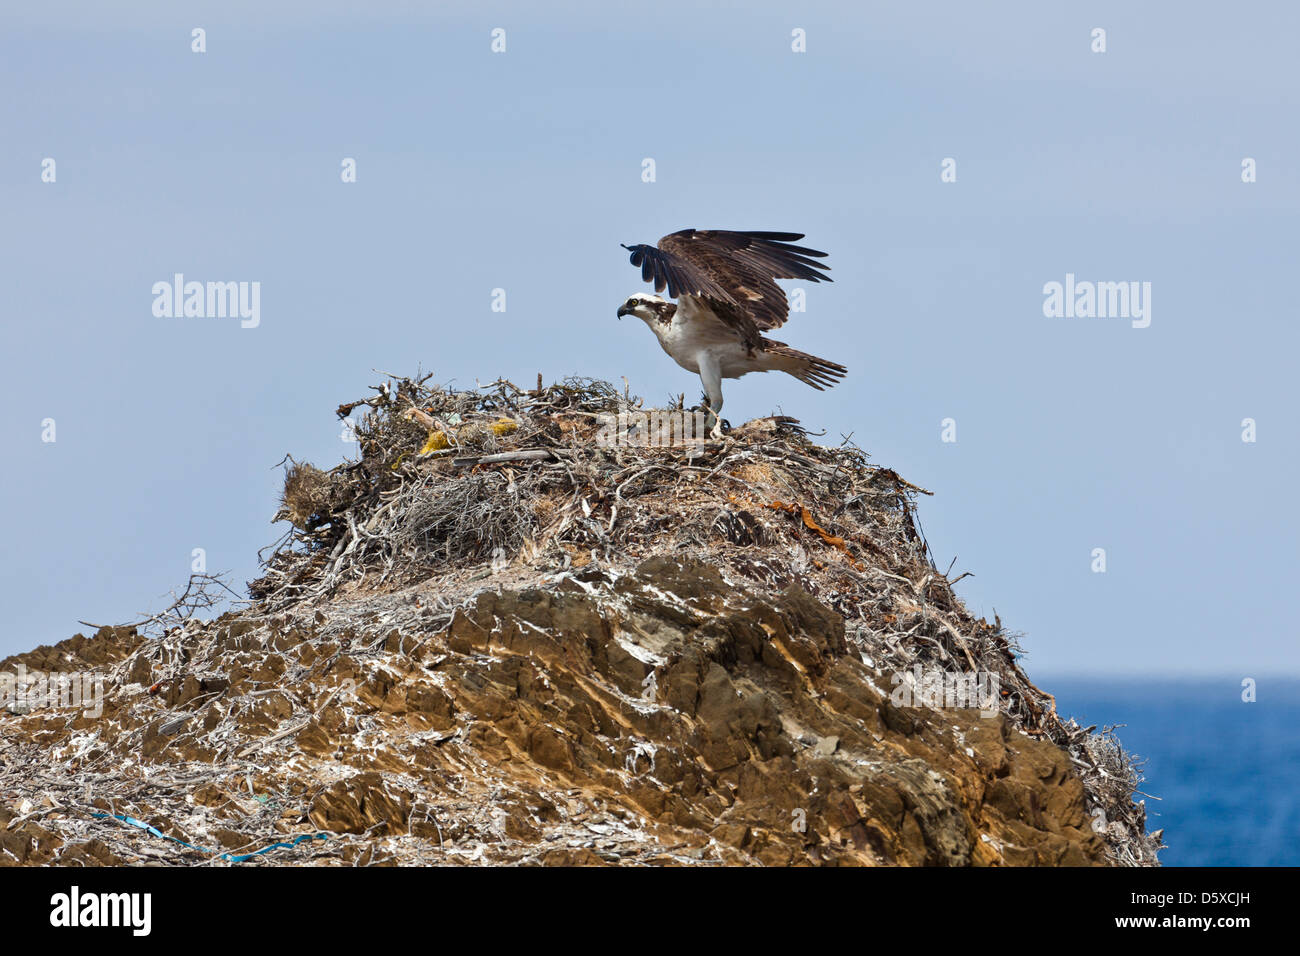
202,592
529,454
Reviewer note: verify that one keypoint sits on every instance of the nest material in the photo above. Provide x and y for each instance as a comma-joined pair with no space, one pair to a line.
306,497
448,480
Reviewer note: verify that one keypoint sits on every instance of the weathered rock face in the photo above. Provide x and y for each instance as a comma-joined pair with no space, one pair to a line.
662,716
764,732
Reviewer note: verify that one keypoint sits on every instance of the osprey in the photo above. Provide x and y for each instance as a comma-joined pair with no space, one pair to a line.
726,298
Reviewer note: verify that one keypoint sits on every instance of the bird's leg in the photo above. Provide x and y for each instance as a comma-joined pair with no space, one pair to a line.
715,430
711,377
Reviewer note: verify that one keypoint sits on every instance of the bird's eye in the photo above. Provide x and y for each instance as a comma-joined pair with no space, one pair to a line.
631,303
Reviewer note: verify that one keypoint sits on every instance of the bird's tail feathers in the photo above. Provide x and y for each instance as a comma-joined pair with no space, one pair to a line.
820,373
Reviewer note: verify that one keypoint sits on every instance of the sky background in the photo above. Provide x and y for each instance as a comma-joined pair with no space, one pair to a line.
522,171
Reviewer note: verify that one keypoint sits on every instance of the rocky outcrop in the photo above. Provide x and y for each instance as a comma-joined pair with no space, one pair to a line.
563,707
659,716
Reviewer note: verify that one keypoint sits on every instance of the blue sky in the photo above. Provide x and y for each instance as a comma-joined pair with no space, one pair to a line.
522,171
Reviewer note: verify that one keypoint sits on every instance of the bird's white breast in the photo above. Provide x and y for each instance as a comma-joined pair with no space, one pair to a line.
694,329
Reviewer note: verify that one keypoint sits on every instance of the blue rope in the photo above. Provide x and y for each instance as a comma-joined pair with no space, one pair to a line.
224,856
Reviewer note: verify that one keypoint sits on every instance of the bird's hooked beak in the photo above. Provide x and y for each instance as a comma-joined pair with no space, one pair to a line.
623,310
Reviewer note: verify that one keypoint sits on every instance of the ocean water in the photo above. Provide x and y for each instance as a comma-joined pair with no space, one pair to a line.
1227,773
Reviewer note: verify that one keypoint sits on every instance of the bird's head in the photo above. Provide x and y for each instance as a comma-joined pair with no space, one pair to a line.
649,308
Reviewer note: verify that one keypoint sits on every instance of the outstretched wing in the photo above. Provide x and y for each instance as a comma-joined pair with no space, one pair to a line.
733,271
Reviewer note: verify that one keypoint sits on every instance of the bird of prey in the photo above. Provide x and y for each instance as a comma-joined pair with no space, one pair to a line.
727,297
